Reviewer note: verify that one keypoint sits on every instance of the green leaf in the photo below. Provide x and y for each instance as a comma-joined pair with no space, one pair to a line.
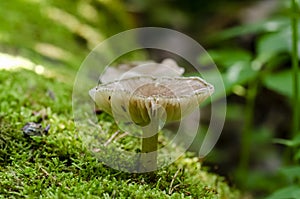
291,192
239,73
272,25
227,57
281,82
291,172
273,44
290,143
270,45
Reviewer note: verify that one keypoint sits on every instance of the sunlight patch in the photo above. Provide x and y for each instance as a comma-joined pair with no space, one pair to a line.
74,25
12,63
49,50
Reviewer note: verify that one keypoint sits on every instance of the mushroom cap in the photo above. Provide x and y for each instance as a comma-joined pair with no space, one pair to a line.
141,98
141,68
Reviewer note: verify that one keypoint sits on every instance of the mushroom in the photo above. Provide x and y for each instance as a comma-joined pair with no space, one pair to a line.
148,102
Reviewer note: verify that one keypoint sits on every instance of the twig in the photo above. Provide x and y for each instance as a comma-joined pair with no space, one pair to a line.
171,189
45,172
111,138
121,136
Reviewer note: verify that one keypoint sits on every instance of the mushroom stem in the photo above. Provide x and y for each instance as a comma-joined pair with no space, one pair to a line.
149,151
158,117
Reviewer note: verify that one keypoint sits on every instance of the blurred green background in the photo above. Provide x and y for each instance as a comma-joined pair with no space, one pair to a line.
250,40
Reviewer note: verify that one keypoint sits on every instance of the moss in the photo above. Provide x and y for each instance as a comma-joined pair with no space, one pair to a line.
58,166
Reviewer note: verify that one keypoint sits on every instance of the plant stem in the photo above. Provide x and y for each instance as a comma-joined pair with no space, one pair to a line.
247,130
294,22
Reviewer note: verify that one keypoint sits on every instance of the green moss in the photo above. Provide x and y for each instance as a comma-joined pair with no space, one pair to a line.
60,33
58,166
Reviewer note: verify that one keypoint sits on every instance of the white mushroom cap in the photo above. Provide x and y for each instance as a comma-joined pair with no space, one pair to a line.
139,97
168,67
